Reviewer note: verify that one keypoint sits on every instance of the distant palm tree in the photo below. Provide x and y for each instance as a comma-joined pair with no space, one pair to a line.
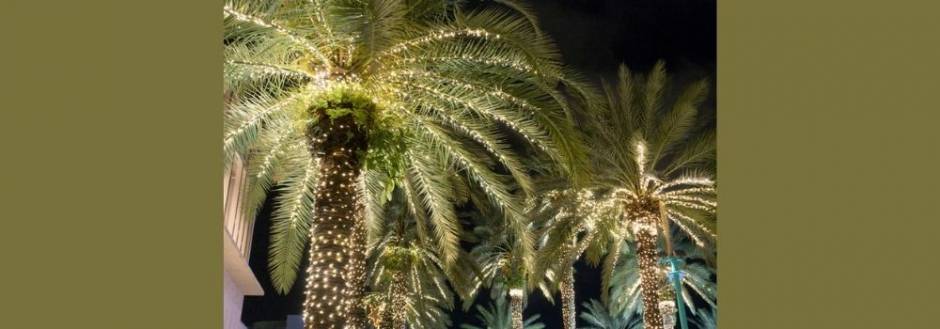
651,165
338,102
600,316
506,267
564,217
409,284
499,316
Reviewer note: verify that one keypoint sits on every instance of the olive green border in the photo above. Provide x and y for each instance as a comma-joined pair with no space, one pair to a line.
827,162
828,159
112,121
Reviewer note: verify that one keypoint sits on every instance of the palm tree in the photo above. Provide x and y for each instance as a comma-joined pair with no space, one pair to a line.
337,102
409,283
600,316
654,168
565,216
506,267
499,316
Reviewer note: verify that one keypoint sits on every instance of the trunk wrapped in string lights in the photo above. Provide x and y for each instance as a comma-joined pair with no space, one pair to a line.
567,299
516,306
644,217
336,274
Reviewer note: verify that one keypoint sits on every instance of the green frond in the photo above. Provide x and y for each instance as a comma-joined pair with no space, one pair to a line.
695,152
261,15
607,271
487,134
277,150
523,9
432,184
375,190
413,200
290,227
676,123
653,91
601,316
266,63
245,121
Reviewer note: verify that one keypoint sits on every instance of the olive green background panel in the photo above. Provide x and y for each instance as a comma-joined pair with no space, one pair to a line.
111,165
112,121
828,163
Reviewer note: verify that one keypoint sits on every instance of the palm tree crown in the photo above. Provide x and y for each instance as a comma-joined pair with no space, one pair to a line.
655,169
651,169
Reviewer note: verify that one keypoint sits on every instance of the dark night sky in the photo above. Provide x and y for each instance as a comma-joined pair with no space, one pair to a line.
594,37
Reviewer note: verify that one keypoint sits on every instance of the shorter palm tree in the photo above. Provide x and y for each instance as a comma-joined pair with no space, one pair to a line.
499,316
566,218
410,285
506,266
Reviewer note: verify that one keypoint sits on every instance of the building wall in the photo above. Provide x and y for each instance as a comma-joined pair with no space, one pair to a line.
232,305
240,281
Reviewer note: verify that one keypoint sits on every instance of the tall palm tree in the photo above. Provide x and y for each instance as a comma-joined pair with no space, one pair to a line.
337,102
655,168
498,315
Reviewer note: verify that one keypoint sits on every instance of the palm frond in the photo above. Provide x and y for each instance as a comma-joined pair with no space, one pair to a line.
290,227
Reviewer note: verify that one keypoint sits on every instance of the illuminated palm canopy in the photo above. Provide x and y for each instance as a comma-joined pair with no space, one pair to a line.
656,170
656,155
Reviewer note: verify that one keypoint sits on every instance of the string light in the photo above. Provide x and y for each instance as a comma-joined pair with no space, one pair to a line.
440,35
242,17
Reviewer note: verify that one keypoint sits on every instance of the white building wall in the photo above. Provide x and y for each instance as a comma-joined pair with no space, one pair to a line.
232,305
237,230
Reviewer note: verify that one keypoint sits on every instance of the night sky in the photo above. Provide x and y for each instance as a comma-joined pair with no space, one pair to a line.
594,36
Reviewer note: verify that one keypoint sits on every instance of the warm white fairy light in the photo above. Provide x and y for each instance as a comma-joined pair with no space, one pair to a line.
243,17
438,36
256,70
679,217
486,110
517,65
255,118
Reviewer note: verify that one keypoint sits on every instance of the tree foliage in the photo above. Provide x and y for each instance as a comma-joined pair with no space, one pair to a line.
442,89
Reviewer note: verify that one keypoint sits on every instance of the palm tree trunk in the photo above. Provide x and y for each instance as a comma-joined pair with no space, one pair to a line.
648,257
515,306
567,299
336,273
396,313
